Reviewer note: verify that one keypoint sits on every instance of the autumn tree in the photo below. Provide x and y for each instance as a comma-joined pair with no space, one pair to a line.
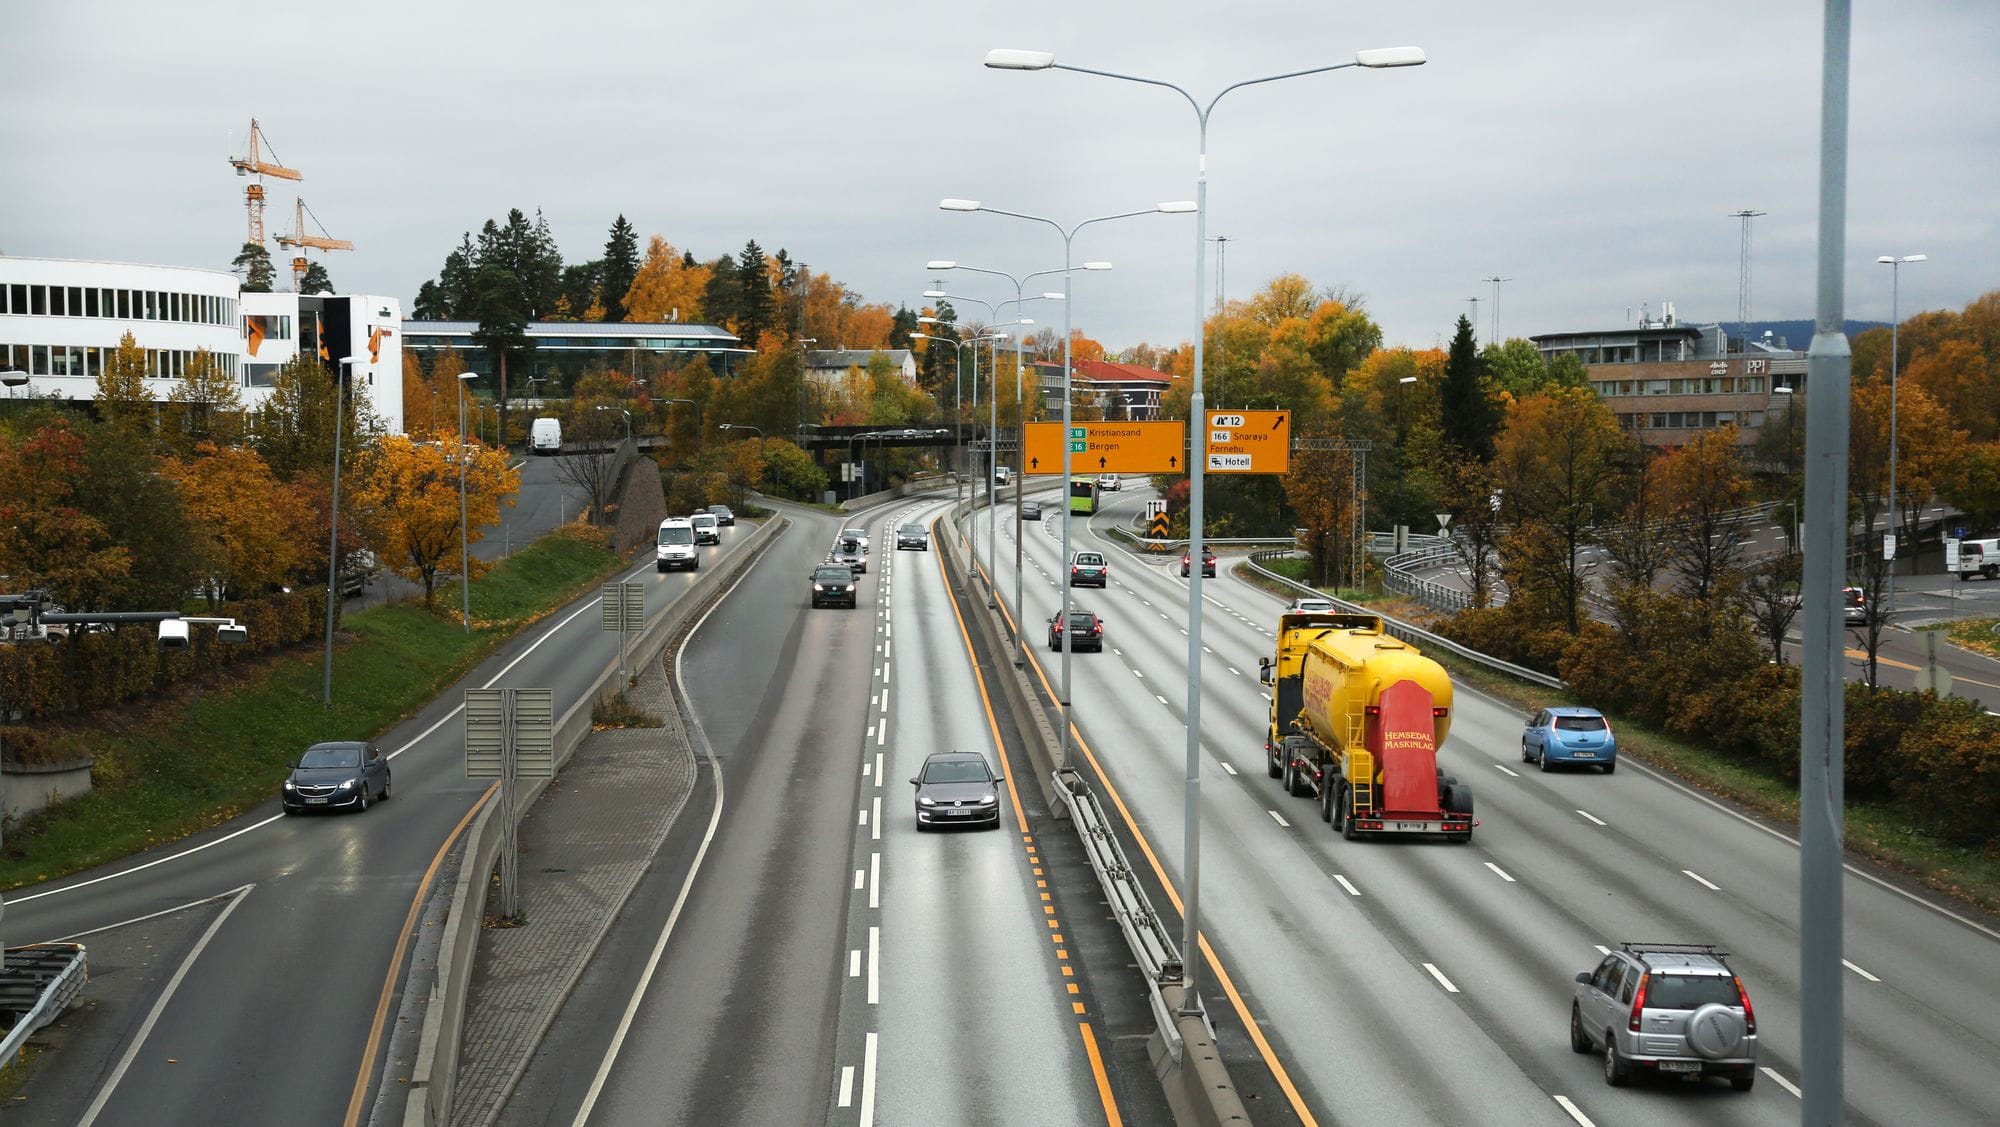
1320,489
619,269
1770,598
407,495
294,428
664,287
123,399
239,548
593,464
1553,465
1467,493
206,406
1704,488
1977,490
46,540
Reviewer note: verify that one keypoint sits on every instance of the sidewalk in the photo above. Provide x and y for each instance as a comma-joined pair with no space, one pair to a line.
584,845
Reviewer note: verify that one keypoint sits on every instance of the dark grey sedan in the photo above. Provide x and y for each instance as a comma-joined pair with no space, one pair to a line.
341,775
957,788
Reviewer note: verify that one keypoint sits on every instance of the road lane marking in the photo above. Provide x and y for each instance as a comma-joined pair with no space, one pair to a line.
1503,770
1439,975
1601,948
868,1082
1499,872
874,880
1701,880
1104,1096
854,963
860,879
1574,1112
874,965
1859,971
1138,674
159,1006
868,734
1159,698
876,832
1787,1085
1234,670
864,817
1227,767
1278,818
846,1086
1593,817
878,768
1346,884
71,938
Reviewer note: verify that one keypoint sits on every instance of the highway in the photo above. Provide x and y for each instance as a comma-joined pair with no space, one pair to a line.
280,1000
1402,982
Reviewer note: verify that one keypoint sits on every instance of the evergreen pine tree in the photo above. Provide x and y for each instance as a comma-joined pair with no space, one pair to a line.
754,284
620,266
253,265
1471,418
722,299
315,280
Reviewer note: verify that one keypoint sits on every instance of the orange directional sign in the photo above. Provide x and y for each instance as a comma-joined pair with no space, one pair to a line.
1248,442
1096,448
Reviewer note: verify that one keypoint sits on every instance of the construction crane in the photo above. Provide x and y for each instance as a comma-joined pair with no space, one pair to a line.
253,164
299,241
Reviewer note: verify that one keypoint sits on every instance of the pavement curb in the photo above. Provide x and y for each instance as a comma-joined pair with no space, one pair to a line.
434,1073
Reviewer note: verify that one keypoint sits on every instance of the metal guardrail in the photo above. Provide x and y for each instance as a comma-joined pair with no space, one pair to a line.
1415,635
56,993
1149,939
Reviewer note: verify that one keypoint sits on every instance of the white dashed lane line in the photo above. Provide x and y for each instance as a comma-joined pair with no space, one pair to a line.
1226,767
1159,698
1500,872
1344,883
1278,818
1441,979
1505,771
1575,1112
1593,818
1787,1085
1701,880
1859,971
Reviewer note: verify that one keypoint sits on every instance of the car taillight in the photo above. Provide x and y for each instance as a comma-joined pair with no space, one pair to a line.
1639,1001
1743,996
1097,629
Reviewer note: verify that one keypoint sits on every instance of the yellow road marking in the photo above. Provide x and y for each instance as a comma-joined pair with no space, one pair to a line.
395,963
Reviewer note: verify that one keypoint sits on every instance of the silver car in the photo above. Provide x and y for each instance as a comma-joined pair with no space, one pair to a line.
1665,1009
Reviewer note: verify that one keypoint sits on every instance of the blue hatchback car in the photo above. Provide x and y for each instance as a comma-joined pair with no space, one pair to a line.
1569,735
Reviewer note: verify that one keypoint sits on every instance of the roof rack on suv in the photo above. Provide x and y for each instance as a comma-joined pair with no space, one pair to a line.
1636,947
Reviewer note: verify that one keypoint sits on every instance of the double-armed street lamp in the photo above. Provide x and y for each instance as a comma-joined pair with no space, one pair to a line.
1007,59
1069,241
622,411
958,405
991,451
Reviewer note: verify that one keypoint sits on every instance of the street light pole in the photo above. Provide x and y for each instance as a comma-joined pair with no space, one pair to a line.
342,371
1005,59
1397,534
1069,240
1895,265
464,556
957,410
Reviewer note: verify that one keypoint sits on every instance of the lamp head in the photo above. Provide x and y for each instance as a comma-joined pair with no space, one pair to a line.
468,377
941,263
1382,58
1177,207
1097,266
1005,58
959,205
1407,379
934,293
13,377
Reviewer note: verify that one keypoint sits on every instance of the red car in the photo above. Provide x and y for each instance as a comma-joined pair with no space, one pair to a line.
1207,564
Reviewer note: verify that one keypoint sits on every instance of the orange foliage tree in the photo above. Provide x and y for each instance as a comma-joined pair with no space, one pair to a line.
45,541
665,287
408,501
240,548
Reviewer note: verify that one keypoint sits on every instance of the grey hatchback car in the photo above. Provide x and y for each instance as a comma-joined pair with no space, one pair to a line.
1665,1009
957,788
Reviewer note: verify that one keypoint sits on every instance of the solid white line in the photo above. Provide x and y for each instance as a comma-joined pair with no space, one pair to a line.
1346,884
868,1083
155,915
1592,817
1501,873
874,966
1787,1085
1700,880
854,956
1859,971
876,832
874,880
153,1016
1278,818
1574,1112
846,1086
1505,771
1439,975
1228,768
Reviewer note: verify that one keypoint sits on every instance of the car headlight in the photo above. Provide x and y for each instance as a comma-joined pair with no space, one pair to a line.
289,785
849,588
347,784
925,800
989,800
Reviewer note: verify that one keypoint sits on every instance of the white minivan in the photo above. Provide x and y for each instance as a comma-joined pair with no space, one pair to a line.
676,546
545,436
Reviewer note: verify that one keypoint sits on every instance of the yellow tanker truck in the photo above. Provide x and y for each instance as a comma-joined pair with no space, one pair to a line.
1356,720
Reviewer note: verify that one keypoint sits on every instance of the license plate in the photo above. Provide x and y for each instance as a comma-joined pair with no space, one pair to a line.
958,813
1583,755
316,802
1680,1066
1412,825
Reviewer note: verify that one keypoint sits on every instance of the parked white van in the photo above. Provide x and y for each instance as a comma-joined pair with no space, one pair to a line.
1979,557
545,437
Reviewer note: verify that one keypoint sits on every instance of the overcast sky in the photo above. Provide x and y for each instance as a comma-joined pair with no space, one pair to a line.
1590,152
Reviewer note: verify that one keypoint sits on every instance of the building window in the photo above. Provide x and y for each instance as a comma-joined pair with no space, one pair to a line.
76,301
124,305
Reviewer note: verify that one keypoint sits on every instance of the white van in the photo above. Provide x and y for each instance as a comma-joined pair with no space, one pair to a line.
545,437
1979,557
676,546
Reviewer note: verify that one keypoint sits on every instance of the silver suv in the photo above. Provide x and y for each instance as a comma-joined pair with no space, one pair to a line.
1666,1008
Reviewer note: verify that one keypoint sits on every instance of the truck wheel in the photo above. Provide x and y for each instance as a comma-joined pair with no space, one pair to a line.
1326,796
1291,777
1347,829
1336,811
1458,798
1271,765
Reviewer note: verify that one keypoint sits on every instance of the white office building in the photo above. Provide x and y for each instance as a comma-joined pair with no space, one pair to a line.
61,319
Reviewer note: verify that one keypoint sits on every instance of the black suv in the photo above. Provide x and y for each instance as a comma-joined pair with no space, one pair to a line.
1086,631
1665,1009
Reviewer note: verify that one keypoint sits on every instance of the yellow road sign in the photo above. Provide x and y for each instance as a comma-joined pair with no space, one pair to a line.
1097,448
1248,442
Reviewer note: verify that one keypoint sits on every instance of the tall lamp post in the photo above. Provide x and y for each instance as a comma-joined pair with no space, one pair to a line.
1020,411
1069,241
464,556
342,372
993,431
1005,59
991,451
958,406
1895,266
1396,534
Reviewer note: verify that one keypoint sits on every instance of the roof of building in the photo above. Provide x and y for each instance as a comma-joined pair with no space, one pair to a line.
1105,371
1625,332
607,330
854,357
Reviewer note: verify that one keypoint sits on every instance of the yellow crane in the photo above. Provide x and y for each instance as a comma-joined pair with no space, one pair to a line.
299,241
254,165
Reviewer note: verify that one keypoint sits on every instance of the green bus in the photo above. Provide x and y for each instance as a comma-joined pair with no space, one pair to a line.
1083,495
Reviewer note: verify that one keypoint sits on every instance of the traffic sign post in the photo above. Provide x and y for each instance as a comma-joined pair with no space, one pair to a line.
510,734
1248,442
1098,448
624,610
1933,678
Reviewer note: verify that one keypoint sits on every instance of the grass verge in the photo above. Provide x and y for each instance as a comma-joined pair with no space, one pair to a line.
174,766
